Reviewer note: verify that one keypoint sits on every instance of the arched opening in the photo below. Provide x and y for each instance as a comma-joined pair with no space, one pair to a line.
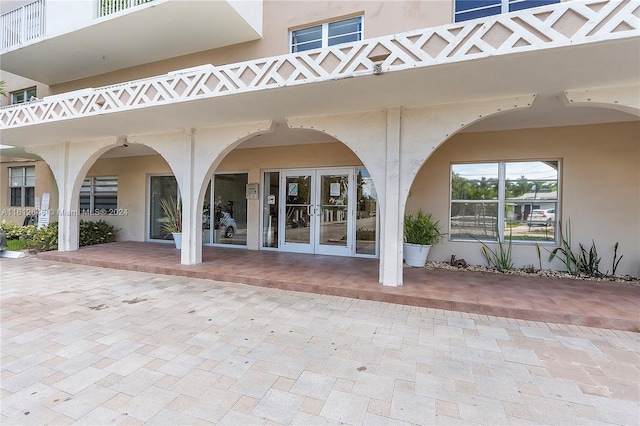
28,182
124,184
290,191
507,183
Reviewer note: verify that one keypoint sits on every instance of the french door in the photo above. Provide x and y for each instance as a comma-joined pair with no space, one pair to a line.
316,211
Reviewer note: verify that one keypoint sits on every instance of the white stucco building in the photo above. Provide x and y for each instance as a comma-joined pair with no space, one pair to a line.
317,125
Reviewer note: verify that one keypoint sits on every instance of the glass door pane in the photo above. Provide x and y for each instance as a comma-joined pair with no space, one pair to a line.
206,216
230,208
270,205
334,199
160,187
366,222
298,209
334,212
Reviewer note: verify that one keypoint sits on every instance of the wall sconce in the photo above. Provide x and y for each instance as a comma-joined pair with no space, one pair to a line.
378,60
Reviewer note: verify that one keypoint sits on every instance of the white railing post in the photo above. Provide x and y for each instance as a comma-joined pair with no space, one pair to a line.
22,24
107,7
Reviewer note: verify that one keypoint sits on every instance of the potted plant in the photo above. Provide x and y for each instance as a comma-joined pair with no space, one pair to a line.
421,231
172,220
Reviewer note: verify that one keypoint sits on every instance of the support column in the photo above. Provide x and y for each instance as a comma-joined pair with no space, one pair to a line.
58,158
391,220
190,240
68,220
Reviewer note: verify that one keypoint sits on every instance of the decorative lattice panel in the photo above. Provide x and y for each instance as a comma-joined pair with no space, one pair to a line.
567,23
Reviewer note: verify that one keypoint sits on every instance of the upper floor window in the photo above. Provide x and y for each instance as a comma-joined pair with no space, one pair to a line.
24,95
505,200
99,195
472,9
327,34
22,186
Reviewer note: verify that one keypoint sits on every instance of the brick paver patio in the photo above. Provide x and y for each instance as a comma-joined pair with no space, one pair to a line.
595,304
92,346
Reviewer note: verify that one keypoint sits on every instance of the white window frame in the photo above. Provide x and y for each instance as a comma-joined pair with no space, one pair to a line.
324,38
22,184
501,200
504,8
27,94
93,182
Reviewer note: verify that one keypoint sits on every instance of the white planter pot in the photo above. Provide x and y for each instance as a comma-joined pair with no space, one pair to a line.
415,254
177,238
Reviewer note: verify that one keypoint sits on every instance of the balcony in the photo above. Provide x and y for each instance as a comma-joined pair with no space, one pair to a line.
577,44
53,42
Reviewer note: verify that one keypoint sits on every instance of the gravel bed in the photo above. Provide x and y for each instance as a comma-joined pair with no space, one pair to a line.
529,272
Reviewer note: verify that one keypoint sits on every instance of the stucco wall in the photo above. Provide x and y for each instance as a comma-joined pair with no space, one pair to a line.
380,18
15,82
44,183
600,179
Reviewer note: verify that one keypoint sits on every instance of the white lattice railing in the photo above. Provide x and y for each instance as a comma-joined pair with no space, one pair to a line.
107,7
564,24
22,24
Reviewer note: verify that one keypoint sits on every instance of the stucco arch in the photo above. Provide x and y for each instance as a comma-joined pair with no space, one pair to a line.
69,163
363,133
621,98
425,129
394,144
209,147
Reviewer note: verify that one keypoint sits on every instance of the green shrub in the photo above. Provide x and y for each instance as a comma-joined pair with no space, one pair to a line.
11,230
27,232
44,239
99,232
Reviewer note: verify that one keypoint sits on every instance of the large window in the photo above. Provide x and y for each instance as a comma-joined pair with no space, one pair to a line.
224,221
160,187
24,95
505,200
99,195
472,9
327,34
22,186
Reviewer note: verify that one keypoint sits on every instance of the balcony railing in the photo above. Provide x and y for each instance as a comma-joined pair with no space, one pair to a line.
562,25
107,7
22,24
28,22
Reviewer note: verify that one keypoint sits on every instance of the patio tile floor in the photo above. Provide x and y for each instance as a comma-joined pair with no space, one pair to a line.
593,304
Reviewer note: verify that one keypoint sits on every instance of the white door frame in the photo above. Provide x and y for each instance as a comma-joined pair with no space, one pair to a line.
311,218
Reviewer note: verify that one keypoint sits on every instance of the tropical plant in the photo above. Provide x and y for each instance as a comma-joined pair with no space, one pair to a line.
2,92
589,262
585,262
420,228
172,211
500,258
565,253
616,259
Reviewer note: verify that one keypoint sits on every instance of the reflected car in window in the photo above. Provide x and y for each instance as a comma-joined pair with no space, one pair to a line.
540,217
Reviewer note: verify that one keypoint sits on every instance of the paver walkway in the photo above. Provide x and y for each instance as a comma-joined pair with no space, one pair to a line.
594,304
91,346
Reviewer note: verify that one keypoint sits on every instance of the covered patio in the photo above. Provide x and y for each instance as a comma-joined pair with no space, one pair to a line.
583,303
